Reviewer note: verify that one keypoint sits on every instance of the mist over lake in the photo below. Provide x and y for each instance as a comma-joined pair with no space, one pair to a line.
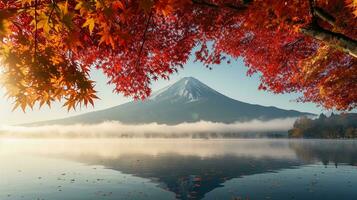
253,128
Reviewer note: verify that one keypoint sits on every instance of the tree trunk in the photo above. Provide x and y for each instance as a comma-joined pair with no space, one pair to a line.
336,40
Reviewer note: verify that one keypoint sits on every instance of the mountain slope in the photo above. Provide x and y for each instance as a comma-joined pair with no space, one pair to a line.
187,100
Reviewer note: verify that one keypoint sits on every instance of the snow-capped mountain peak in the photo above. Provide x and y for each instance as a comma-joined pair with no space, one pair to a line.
188,89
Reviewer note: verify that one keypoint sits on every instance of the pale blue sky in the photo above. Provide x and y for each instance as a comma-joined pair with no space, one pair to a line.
228,79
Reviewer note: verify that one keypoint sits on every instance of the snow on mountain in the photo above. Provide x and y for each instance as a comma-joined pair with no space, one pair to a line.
188,89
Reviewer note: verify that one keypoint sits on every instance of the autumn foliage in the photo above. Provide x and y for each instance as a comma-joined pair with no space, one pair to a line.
48,47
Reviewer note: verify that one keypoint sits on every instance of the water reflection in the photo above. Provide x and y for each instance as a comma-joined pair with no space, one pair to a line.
190,168
190,177
326,151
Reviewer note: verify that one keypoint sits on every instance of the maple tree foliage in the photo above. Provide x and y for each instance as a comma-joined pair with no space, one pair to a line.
48,47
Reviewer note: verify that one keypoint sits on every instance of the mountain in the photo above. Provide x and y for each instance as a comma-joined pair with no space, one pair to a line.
187,100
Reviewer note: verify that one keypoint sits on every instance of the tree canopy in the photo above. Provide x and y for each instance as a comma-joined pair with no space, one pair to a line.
48,47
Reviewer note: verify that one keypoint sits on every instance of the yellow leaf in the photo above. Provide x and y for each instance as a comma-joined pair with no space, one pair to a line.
90,23
78,6
44,23
65,8
98,5
106,37
4,27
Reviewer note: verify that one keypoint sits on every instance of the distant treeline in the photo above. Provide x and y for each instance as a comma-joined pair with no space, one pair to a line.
335,126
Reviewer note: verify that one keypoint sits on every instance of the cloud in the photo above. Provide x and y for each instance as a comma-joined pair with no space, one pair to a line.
117,129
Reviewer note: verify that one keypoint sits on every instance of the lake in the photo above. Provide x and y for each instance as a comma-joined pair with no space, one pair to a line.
232,169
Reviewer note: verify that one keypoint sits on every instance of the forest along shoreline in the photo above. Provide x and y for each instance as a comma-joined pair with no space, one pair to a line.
332,127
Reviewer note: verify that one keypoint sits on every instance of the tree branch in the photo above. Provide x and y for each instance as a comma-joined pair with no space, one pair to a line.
336,40
324,16
143,39
333,39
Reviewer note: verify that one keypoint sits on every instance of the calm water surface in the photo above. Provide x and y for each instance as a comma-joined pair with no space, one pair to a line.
111,169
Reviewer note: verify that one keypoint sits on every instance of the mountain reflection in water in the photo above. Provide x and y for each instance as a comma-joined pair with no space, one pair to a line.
191,168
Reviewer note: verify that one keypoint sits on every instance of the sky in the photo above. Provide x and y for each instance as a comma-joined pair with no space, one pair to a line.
228,79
